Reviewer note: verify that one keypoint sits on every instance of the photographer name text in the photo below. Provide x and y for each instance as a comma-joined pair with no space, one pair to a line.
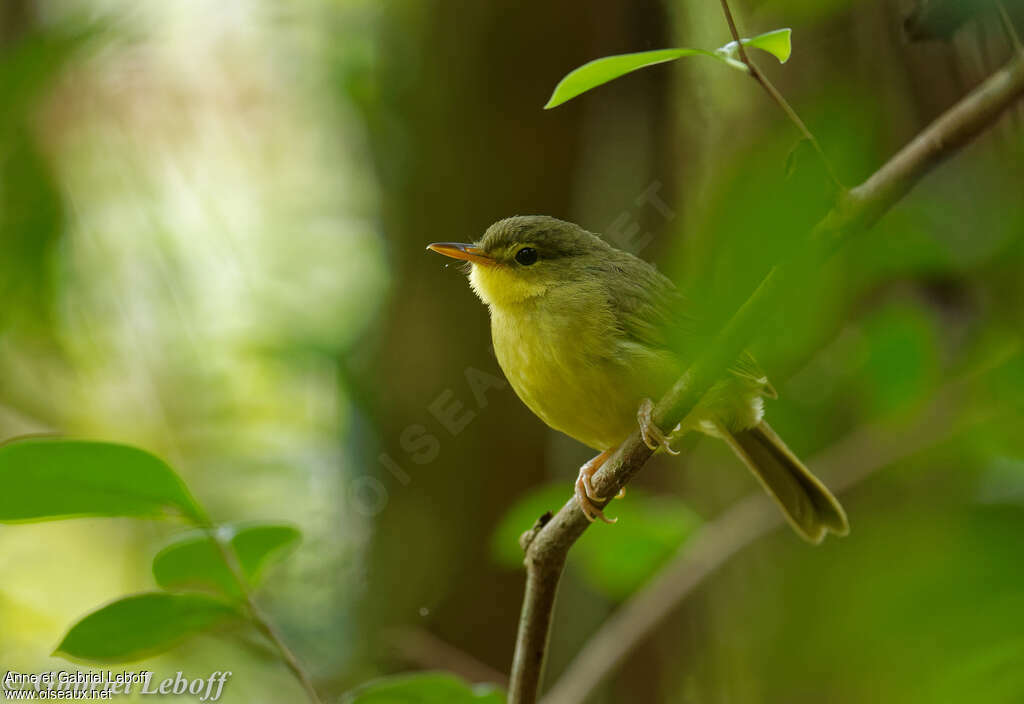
105,684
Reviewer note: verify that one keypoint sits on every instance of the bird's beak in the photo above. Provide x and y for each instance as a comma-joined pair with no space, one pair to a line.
466,252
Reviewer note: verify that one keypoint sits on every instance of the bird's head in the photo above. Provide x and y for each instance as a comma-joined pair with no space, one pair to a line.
525,257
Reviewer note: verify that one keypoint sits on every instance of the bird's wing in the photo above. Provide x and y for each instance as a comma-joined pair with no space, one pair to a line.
651,312
648,309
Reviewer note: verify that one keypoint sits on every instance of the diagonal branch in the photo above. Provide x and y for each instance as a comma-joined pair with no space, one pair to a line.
1011,30
429,652
844,465
856,210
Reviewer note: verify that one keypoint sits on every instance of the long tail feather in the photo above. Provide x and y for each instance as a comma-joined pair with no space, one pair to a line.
806,503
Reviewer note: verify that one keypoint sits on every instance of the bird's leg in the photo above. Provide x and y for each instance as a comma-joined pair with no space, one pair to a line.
585,494
588,470
651,433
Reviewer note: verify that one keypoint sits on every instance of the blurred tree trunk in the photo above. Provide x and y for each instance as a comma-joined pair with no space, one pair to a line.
460,140
15,19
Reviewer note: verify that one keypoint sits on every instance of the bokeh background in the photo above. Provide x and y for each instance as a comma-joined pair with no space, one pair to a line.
212,230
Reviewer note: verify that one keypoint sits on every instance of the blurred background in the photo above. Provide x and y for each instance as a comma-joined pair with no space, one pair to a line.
212,226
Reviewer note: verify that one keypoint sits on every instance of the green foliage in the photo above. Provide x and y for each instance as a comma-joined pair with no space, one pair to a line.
998,443
776,42
651,529
29,67
51,478
601,71
941,583
193,561
31,225
423,688
902,364
523,513
142,625
920,603
615,561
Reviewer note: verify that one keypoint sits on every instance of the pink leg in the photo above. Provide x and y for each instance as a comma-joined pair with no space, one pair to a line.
651,433
585,494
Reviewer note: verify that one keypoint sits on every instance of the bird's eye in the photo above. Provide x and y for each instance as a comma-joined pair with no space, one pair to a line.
526,256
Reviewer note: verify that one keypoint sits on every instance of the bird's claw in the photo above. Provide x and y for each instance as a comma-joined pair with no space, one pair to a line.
652,435
585,494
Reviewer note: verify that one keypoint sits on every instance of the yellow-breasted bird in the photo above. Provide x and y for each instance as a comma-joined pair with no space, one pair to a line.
588,334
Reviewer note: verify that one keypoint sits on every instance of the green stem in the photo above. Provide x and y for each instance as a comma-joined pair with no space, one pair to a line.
1011,31
775,95
256,616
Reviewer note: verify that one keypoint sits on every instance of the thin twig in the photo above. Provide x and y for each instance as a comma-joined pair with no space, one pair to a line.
1011,30
845,465
429,652
256,615
855,211
735,33
775,95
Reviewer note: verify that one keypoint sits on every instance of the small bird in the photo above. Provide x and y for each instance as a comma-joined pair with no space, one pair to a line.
588,334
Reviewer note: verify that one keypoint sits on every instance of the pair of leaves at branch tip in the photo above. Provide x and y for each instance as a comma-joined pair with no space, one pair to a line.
601,71
194,561
143,625
424,688
614,560
49,478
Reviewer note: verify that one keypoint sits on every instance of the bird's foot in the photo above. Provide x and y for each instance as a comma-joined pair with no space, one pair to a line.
652,435
585,494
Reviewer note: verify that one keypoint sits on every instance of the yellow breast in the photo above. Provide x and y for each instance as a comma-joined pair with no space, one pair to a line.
567,388
566,365
565,355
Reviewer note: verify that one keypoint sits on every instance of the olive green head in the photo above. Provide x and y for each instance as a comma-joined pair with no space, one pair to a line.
522,258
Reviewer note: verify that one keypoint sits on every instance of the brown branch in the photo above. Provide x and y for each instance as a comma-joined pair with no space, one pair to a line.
844,465
856,210
1011,30
424,649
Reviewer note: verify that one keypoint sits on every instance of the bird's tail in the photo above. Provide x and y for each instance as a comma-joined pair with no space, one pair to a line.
807,504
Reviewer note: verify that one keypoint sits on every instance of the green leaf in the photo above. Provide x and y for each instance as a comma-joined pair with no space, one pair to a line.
194,561
651,529
522,515
615,561
49,478
600,71
424,688
777,43
142,625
